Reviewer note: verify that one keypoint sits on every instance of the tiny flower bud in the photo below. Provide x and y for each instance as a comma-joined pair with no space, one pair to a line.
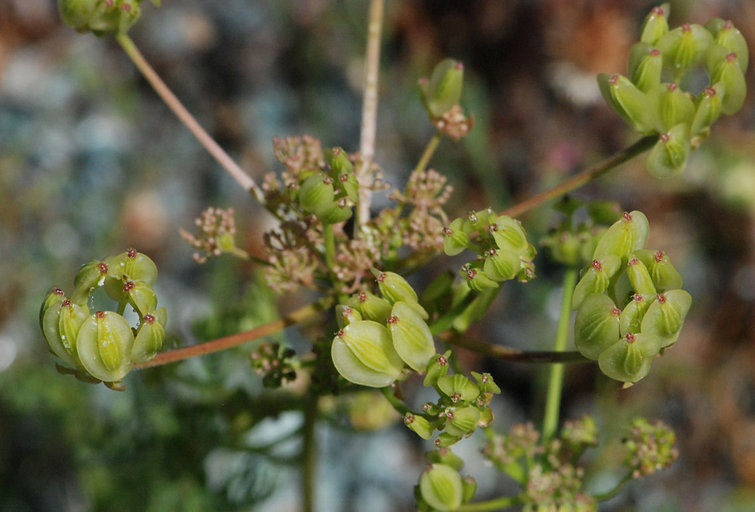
655,25
459,387
455,238
436,368
502,264
665,316
443,90
371,306
486,383
669,155
395,288
684,47
629,359
316,193
419,425
149,338
628,101
132,265
626,235
674,106
464,421
725,34
596,279
61,323
596,326
645,66
631,316
89,277
346,315
708,109
639,276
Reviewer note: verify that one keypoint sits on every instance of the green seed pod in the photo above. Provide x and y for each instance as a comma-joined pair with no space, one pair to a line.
61,323
443,90
596,279
363,353
419,425
441,487
446,439
596,326
333,213
645,66
634,311
55,296
100,16
455,238
509,234
664,275
445,456
669,155
458,388
665,316
486,383
141,297
629,359
708,109
469,487
346,315
104,346
480,220
132,265
393,287
730,75
149,339
411,336
624,236
339,162
89,277
684,47
477,280
674,106
725,34
462,421
628,101
316,192
639,276
371,306
501,264
436,368
655,25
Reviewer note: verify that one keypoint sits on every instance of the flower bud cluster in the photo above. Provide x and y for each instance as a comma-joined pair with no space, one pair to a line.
440,96
379,335
217,235
501,244
103,345
650,447
629,302
101,16
652,99
462,406
275,364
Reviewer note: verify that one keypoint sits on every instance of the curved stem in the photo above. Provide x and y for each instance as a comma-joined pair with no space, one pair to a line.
233,340
494,504
170,99
369,112
432,145
309,454
556,377
583,177
395,401
512,354
611,493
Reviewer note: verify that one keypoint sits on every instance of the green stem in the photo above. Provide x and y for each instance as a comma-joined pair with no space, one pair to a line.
170,99
330,245
610,494
234,340
583,177
432,145
395,401
494,504
309,454
556,378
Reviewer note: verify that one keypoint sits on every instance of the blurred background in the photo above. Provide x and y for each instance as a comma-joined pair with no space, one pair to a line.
91,162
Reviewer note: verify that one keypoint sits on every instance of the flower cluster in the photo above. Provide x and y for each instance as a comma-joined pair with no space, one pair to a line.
501,244
652,99
275,364
650,447
629,302
217,234
101,16
102,346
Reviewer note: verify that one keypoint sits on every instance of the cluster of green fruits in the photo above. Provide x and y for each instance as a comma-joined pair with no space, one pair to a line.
102,346
501,244
629,302
101,16
328,194
661,94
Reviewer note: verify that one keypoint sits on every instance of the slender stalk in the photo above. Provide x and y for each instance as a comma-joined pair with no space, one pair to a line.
395,401
583,177
330,245
611,493
494,504
369,111
233,340
556,377
512,354
170,99
432,145
309,454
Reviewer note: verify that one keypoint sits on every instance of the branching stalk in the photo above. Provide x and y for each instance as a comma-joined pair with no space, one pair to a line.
170,99
556,377
510,353
432,145
494,504
226,342
369,111
309,454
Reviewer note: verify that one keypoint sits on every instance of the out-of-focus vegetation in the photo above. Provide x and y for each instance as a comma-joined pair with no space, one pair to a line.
91,162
